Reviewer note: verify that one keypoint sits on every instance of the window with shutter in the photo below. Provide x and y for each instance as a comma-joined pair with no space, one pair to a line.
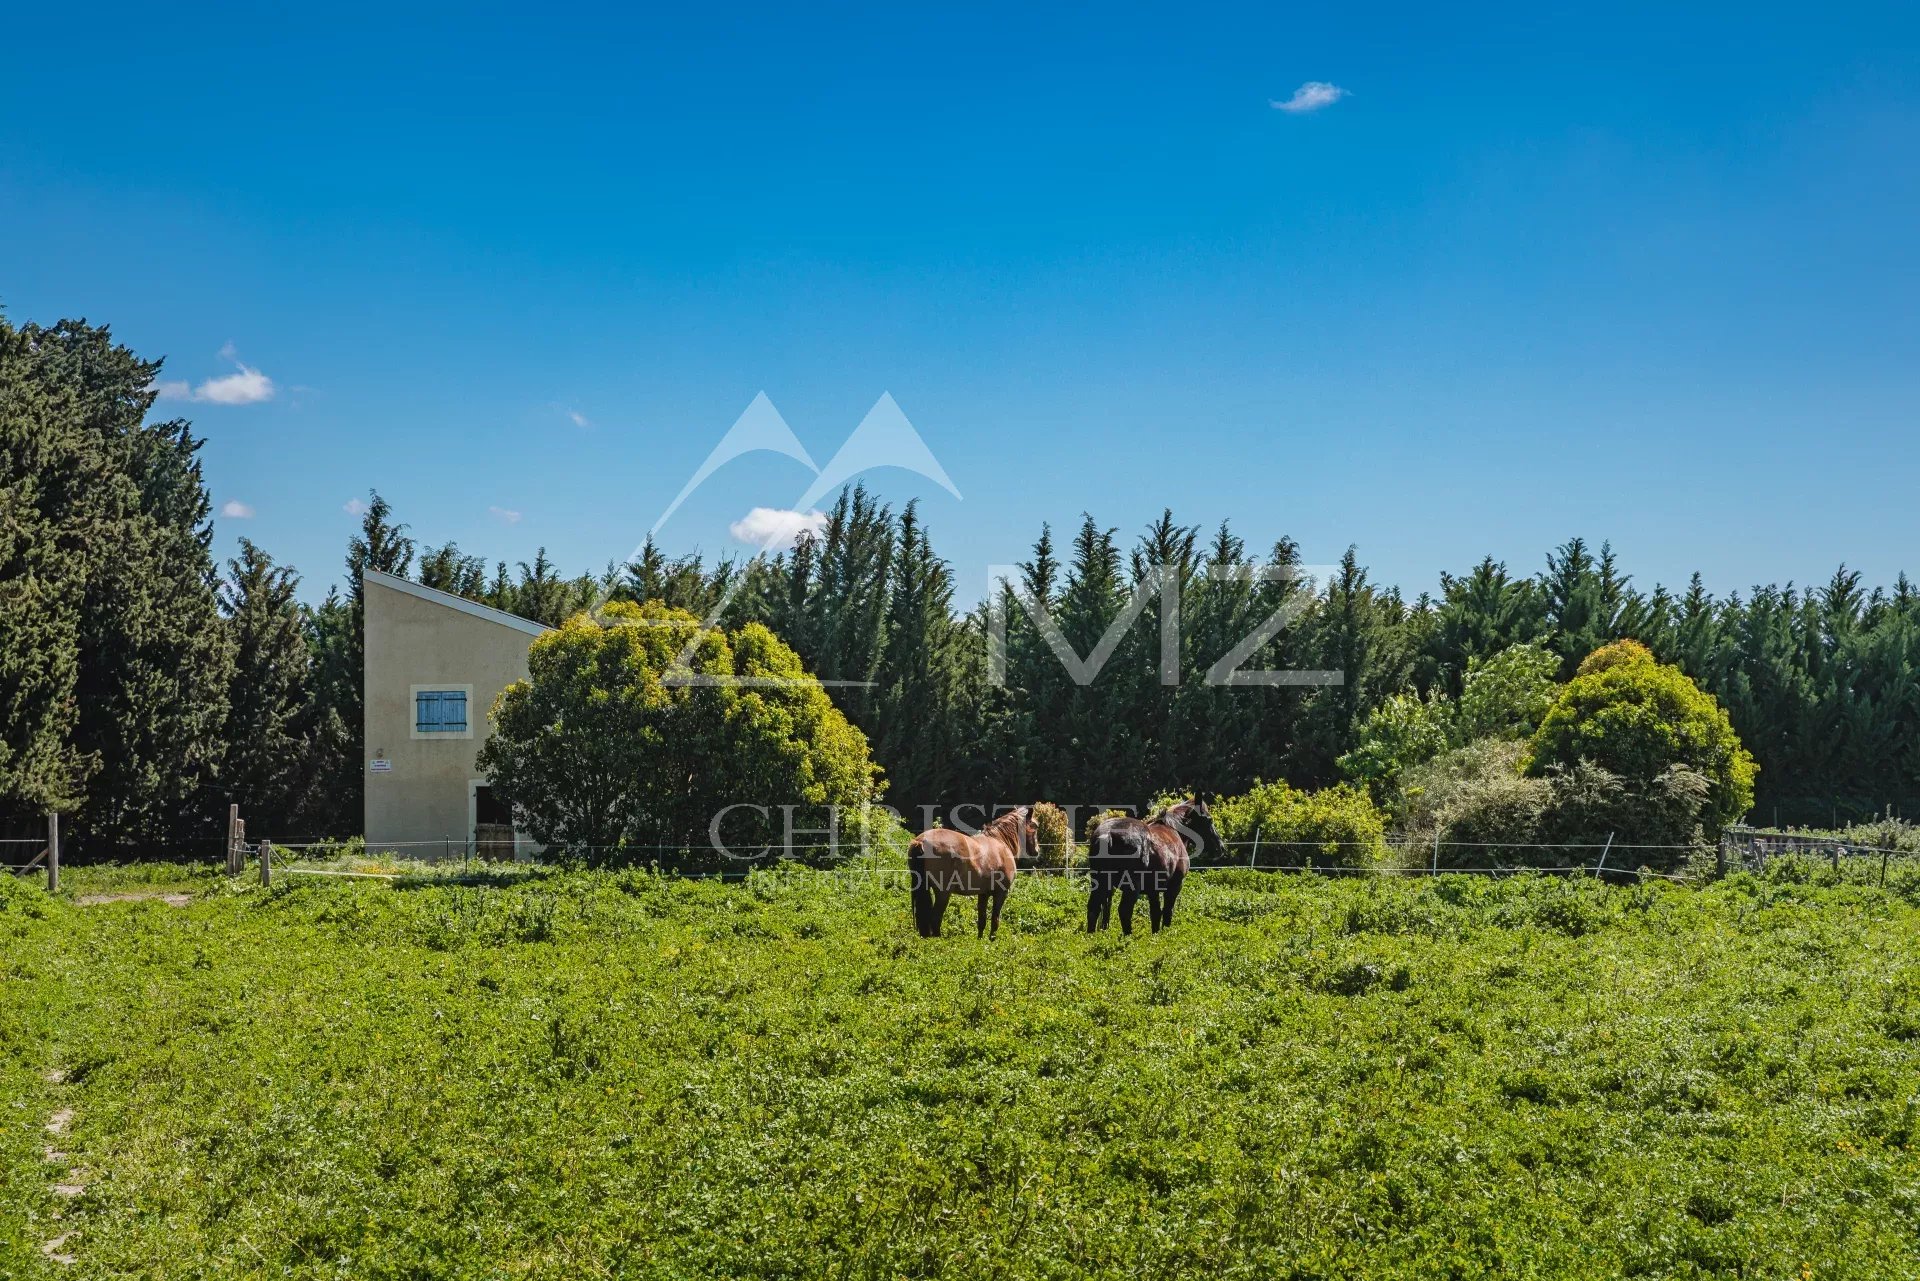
440,711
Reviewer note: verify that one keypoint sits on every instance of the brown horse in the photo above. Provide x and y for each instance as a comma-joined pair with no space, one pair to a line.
945,862
1145,858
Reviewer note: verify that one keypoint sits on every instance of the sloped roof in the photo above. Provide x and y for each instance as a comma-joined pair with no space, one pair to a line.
435,596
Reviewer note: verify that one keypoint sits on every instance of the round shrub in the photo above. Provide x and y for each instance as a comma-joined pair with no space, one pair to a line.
1055,838
1637,719
606,759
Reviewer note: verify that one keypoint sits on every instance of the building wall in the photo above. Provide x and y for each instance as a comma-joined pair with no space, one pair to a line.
417,637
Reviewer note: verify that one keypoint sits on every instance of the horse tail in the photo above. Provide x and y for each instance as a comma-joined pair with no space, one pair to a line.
922,887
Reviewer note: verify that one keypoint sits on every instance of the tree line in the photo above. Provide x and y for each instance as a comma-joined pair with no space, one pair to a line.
143,685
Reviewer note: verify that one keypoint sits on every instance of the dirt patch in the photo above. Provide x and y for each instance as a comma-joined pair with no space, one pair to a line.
133,896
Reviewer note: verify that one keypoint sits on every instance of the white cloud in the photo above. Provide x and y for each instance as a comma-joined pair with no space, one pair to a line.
579,419
1311,96
245,386
504,515
354,507
775,529
236,509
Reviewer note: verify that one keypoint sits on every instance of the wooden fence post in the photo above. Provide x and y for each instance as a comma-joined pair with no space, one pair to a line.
236,836
266,862
53,853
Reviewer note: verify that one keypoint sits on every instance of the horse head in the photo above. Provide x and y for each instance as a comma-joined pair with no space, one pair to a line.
1192,818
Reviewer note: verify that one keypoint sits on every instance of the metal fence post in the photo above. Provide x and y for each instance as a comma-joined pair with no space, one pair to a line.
53,853
1436,852
1253,859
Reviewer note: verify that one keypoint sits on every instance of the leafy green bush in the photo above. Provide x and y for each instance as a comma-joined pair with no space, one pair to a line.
1505,695
1496,819
1431,788
603,758
1638,719
1487,812
1337,826
1402,732
1055,839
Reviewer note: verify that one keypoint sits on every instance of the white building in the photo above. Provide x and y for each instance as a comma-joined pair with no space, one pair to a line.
435,662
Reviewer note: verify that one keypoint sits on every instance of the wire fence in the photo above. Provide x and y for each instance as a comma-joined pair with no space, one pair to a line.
1391,857
842,860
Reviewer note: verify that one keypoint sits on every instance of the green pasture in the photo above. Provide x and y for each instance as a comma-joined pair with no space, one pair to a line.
616,1074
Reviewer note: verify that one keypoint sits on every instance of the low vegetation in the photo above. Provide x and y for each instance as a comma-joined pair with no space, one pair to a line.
552,1073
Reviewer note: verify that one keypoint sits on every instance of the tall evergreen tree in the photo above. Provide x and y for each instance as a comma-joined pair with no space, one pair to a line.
337,634
44,474
272,719
920,710
154,661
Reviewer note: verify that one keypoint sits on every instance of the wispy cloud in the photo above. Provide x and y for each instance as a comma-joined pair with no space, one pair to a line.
1311,96
504,515
775,529
245,386
579,419
354,507
236,509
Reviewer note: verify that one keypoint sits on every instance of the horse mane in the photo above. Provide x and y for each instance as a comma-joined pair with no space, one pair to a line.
1009,820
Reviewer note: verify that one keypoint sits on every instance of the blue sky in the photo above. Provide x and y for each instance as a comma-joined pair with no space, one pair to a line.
1636,274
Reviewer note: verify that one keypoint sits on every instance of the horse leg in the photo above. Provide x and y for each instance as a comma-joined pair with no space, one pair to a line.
999,901
1128,897
981,902
1173,893
1099,901
939,912
1153,910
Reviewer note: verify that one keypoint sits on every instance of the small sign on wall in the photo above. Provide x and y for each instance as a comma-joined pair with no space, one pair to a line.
380,765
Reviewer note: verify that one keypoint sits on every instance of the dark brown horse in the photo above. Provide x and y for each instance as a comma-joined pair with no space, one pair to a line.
945,862
1145,857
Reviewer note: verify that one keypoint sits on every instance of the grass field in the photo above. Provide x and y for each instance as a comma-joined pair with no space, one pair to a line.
581,1075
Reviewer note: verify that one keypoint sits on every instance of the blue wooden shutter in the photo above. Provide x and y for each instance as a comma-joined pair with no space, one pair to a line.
440,711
